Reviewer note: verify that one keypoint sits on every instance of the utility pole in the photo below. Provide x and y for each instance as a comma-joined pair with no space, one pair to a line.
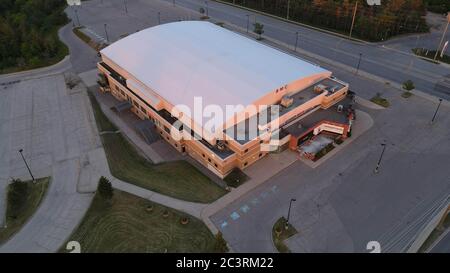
26,164
437,109
353,20
289,213
296,41
288,6
443,36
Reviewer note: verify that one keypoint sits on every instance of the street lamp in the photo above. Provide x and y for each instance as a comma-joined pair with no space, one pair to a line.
106,32
248,21
381,157
159,18
26,164
76,15
125,5
437,109
296,41
289,213
207,9
359,63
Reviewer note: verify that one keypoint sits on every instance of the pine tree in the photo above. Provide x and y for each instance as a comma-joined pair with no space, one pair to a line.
105,188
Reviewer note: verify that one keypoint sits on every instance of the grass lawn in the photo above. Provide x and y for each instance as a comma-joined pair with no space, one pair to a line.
178,179
235,178
36,193
128,225
380,101
280,233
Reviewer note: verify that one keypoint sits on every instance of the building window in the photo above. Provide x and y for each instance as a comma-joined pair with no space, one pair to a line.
261,142
123,93
246,150
167,138
245,164
143,110
136,103
209,159
167,129
260,154
176,145
203,155
215,165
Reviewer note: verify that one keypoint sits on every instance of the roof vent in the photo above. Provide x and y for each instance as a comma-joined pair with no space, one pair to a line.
286,101
320,88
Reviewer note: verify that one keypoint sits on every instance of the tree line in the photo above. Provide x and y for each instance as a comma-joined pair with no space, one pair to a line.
28,33
373,23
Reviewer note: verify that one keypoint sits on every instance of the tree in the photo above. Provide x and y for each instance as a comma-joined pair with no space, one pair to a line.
105,189
202,11
258,29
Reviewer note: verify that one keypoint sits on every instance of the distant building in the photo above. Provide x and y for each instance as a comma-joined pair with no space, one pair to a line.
163,71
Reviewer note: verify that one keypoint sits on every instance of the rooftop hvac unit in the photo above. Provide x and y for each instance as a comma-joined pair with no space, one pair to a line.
220,145
320,88
286,101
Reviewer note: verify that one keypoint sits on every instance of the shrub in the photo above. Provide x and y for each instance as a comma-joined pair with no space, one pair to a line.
105,189
408,85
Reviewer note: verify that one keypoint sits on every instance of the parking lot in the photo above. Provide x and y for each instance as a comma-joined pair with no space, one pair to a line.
54,127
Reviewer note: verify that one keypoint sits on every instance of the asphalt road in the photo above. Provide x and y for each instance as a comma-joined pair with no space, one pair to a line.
393,65
443,246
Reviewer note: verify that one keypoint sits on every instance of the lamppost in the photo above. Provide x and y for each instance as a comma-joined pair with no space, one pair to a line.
207,8
381,157
248,21
437,109
106,32
296,40
289,213
76,15
125,5
159,18
26,164
359,63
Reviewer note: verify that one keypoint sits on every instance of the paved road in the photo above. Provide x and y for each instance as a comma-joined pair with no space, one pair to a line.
443,246
390,64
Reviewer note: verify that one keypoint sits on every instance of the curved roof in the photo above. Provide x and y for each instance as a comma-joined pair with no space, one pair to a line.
182,60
